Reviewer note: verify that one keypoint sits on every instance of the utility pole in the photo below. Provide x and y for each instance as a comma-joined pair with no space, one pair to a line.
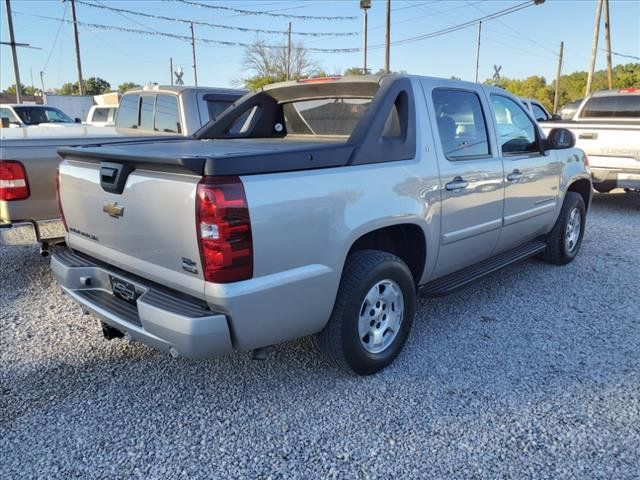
365,5
75,35
171,70
607,32
288,66
387,38
478,51
12,40
193,50
42,83
556,96
594,47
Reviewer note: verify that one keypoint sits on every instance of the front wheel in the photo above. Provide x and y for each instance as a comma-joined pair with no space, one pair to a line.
373,313
563,242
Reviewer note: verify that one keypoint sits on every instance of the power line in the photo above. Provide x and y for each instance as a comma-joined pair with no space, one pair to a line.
460,26
55,39
263,13
215,25
184,38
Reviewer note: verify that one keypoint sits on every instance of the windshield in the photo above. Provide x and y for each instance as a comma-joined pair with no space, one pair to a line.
324,116
37,114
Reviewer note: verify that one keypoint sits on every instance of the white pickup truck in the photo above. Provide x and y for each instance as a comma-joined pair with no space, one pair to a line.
316,207
29,160
607,128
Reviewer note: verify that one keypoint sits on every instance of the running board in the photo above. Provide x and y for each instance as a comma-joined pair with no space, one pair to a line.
454,281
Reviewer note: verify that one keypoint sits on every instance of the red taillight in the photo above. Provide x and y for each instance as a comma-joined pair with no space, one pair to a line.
13,181
224,230
64,222
629,90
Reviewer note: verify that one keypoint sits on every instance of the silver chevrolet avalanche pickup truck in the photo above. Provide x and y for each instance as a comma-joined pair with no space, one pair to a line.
316,207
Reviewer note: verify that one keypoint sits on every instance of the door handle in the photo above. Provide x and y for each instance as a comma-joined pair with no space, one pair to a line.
458,183
514,176
588,136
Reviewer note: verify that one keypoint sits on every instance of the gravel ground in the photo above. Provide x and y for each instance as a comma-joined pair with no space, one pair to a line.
533,372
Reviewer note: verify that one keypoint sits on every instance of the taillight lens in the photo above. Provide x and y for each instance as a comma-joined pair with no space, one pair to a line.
64,222
224,230
13,181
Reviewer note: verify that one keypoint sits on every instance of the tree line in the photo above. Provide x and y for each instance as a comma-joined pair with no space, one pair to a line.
92,86
572,85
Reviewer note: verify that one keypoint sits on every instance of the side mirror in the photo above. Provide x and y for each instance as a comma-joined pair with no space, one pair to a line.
560,138
555,117
77,120
4,122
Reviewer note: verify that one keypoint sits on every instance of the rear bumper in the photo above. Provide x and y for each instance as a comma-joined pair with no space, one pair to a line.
159,318
27,232
609,178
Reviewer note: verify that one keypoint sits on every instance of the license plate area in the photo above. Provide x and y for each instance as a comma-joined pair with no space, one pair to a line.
124,290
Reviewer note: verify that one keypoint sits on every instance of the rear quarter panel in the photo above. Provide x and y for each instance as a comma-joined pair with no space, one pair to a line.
304,224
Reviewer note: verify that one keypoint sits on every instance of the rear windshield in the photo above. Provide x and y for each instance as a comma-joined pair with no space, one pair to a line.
324,116
620,106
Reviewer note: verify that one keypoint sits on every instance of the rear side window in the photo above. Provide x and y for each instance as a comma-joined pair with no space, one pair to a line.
621,106
216,107
146,112
516,131
128,112
167,114
324,116
461,124
101,115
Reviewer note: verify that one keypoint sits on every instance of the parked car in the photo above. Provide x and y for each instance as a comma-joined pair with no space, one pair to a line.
607,128
102,115
30,159
537,110
316,207
27,115
569,110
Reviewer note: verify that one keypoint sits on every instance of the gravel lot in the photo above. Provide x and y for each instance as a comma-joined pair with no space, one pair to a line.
533,372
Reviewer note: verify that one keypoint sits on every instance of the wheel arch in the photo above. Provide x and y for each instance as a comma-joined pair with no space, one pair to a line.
405,240
583,187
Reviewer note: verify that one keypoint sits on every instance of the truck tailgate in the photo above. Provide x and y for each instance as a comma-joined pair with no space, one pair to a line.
149,229
606,145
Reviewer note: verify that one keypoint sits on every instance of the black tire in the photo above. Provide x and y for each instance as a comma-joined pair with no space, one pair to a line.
557,251
340,339
602,189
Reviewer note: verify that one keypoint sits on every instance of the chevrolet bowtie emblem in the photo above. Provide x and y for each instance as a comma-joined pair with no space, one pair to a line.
113,209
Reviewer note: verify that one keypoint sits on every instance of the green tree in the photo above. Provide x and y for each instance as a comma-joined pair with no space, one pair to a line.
92,86
123,87
353,71
26,90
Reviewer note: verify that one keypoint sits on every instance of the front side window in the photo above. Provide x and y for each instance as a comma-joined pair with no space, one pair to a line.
324,116
461,124
516,131
167,114
146,112
37,115
539,114
128,112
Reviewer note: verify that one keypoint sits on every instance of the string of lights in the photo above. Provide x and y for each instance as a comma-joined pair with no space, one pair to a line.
184,38
261,13
216,25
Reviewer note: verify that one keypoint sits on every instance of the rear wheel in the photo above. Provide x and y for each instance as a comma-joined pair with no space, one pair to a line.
373,313
563,242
